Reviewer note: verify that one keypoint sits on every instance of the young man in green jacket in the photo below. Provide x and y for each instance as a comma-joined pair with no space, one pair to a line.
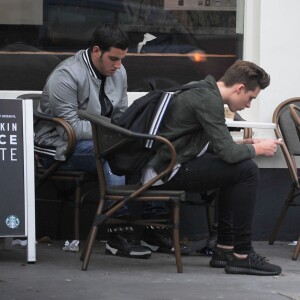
208,158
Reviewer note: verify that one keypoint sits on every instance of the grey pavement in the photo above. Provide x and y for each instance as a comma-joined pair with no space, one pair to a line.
57,274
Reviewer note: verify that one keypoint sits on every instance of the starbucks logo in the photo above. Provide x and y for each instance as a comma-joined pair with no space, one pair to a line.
12,221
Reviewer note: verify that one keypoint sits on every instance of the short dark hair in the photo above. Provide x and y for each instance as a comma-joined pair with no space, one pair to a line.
106,36
247,73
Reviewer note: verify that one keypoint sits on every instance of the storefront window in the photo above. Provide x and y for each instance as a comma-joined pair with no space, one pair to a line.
202,33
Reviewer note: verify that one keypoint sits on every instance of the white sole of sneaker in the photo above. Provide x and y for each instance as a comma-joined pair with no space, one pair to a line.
114,251
111,249
153,248
133,253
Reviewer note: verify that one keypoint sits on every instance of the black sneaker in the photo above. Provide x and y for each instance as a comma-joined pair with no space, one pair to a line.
123,246
219,257
158,240
254,264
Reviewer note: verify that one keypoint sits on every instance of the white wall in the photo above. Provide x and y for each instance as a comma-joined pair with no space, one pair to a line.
272,40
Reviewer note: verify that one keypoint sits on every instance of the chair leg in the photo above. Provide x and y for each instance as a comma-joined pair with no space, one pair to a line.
88,247
87,250
176,237
209,217
82,255
76,210
60,229
297,250
281,217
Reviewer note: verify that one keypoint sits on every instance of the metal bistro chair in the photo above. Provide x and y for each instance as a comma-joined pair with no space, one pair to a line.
42,175
286,130
295,111
108,137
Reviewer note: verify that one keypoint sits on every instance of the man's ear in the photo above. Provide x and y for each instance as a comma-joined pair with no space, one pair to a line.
96,50
240,87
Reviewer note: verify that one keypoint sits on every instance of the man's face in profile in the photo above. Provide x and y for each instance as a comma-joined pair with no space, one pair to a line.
242,98
108,62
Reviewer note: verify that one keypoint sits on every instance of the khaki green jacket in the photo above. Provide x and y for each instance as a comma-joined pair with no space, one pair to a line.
194,118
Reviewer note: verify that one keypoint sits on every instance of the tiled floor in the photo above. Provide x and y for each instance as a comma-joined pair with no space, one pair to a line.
57,274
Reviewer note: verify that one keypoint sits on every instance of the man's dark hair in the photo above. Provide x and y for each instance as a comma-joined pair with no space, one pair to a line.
247,73
106,36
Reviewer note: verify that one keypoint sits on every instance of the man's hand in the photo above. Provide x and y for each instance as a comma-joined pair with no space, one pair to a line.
266,147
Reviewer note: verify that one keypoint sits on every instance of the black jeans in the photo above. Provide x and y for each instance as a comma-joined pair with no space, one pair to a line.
237,184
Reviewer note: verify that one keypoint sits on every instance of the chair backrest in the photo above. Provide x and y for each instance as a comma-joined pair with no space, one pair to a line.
36,97
108,137
295,114
285,129
39,117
